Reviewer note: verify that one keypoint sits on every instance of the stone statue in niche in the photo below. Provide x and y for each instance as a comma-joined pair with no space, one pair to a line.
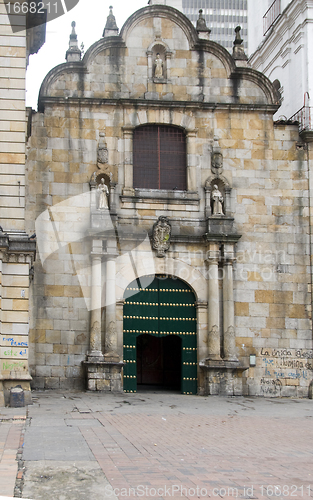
161,236
217,201
158,67
217,163
103,192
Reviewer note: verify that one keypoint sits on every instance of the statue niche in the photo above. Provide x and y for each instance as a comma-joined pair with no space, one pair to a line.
217,197
217,201
217,206
102,192
159,63
158,67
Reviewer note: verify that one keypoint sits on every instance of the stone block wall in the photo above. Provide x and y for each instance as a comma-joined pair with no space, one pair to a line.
268,176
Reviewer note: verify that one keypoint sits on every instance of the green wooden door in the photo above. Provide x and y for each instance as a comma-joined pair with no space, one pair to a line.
165,307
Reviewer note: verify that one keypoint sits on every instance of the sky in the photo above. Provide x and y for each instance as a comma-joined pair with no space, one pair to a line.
90,17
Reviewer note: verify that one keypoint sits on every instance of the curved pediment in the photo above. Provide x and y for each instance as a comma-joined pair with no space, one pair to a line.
190,69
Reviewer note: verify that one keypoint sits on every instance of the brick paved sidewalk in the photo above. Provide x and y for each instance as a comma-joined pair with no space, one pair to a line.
224,457
12,421
173,446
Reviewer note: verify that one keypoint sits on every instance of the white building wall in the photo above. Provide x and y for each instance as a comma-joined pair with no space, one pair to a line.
284,54
256,11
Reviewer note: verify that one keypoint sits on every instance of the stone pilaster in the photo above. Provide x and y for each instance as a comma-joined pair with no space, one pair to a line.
202,333
229,340
214,341
208,210
110,329
104,371
191,160
128,161
112,200
168,55
95,320
150,64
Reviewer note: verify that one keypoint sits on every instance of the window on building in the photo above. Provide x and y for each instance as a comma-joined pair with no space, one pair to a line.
159,157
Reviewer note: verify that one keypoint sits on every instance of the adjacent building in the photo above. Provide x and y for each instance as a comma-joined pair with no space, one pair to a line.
172,219
282,53
17,249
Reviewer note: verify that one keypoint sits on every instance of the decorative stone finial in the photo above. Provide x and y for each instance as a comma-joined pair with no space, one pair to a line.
111,28
201,27
238,50
73,53
73,34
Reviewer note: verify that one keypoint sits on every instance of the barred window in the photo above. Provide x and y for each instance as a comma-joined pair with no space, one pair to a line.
159,157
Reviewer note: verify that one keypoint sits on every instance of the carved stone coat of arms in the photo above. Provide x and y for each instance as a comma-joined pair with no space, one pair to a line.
161,236
103,154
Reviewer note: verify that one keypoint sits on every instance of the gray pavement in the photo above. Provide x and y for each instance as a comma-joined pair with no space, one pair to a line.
166,445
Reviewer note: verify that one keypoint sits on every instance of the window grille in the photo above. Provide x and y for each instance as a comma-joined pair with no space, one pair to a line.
159,157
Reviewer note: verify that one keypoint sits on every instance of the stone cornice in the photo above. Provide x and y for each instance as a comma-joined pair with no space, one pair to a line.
307,135
222,238
219,51
17,249
261,80
127,102
102,44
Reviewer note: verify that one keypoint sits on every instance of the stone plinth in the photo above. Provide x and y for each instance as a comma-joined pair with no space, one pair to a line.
104,375
101,219
221,225
222,377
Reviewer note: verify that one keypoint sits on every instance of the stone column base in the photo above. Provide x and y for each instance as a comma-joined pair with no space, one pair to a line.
223,377
104,375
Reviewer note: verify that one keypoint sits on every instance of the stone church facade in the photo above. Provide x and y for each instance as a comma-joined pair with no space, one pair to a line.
172,219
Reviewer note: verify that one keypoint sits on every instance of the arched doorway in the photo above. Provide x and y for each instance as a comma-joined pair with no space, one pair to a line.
160,335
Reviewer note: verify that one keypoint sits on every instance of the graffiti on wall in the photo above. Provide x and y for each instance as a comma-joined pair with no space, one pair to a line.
11,365
14,342
285,367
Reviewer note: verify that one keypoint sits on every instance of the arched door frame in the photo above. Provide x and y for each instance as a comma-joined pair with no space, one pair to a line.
173,267
160,306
